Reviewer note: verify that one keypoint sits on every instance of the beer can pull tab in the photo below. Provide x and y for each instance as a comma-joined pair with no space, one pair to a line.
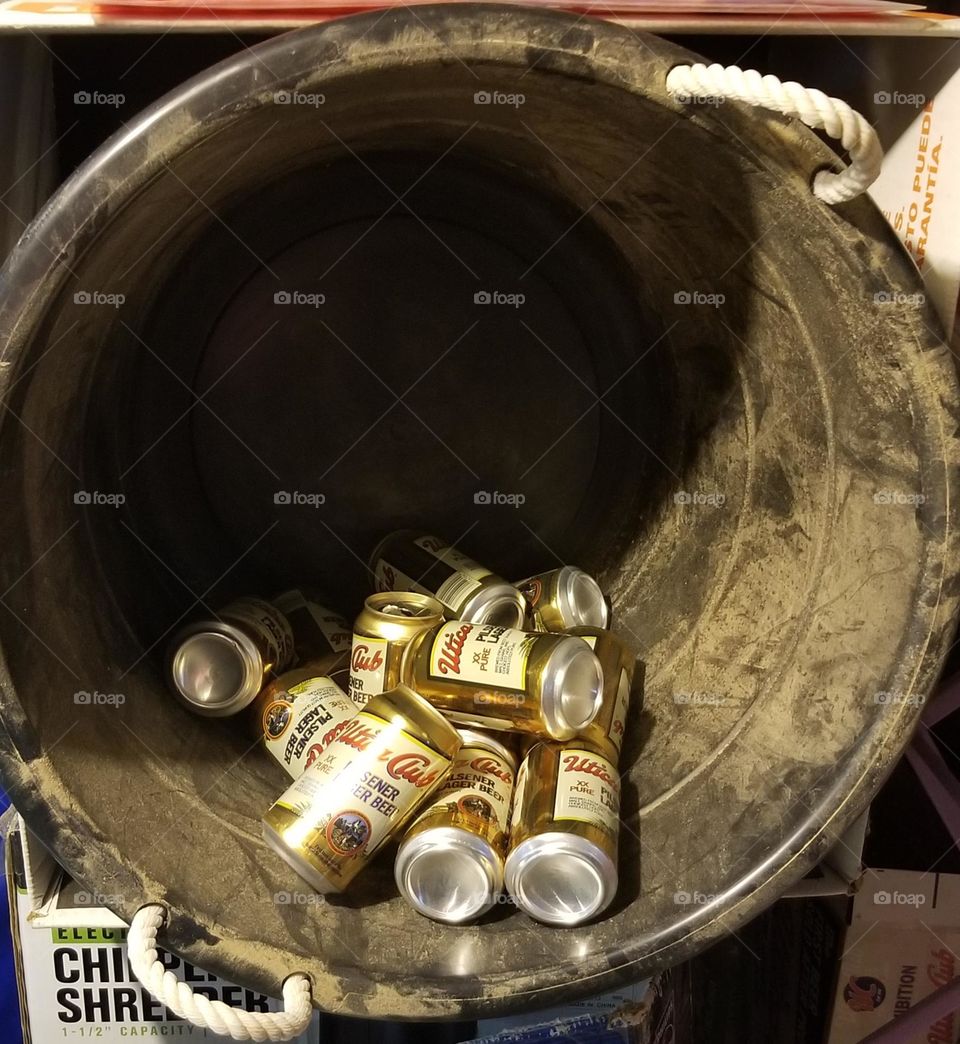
214,1015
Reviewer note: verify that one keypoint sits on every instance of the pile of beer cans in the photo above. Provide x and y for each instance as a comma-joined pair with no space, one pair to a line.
475,721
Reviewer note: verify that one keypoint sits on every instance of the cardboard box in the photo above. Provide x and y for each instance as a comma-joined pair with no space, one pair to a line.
900,946
919,186
73,975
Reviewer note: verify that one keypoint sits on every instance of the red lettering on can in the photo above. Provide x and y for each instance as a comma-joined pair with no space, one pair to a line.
491,767
412,769
357,735
942,972
589,767
316,749
363,661
451,652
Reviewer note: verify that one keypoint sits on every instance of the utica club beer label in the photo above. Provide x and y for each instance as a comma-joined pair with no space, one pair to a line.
495,677
267,623
368,668
300,723
588,790
475,795
358,792
565,826
482,654
450,864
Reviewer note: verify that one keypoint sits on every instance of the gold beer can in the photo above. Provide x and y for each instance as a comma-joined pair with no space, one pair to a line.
217,666
412,561
499,678
381,632
564,831
387,761
301,712
564,598
450,864
619,664
317,631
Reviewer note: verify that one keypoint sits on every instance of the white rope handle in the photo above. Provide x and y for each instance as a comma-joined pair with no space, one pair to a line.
692,82
201,1011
